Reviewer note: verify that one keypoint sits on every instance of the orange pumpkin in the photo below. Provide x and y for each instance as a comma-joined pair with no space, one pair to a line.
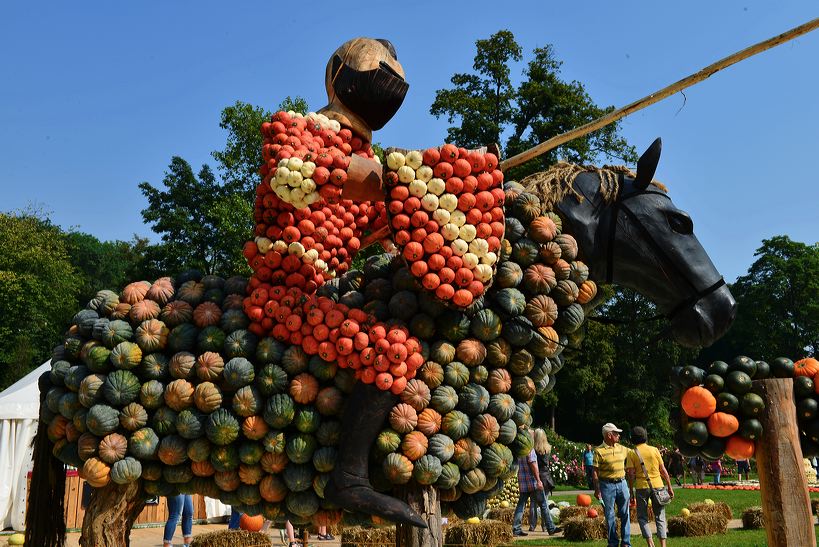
739,448
429,422
414,445
698,402
251,523
722,424
584,500
806,367
254,427
591,513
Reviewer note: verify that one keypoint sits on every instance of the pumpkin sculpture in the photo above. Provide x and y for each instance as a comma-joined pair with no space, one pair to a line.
271,393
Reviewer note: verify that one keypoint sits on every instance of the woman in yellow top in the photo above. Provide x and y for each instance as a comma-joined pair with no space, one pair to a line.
637,482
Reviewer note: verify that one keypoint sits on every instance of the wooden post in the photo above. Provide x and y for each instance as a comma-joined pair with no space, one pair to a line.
423,500
111,514
785,499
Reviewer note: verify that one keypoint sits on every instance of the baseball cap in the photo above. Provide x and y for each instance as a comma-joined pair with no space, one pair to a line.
611,427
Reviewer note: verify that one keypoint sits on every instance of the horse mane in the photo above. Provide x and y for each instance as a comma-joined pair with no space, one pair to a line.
557,182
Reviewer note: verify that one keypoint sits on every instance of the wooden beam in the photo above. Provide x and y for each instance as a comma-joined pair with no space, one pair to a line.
782,480
688,81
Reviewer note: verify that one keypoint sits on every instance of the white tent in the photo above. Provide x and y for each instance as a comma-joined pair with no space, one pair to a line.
19,411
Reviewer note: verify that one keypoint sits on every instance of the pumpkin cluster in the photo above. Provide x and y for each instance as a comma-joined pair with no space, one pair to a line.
720,410
306,157
446,212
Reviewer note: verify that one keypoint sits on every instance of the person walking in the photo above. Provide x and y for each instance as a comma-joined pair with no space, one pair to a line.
716,467
744,468
528,482
675,465
697,467
588,466
181,505
543,451
610,484
235,519
646,460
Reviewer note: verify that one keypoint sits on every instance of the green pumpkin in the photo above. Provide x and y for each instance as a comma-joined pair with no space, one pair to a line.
274,442
126,355
53,398
59,369
324,459
514,229
236,284
300,448
565,293
164,421
441,447
455,425
240,343
211,338
427,469
525,252
523,388
517,331
423,326
472,481
269,350
190,424
126,470
84,320
222,427
496,460
121,387
199,449
152,394
523,443
238,372
456,375
177,474
69,405
250,452
102,420
442,352
104,302
473,399
443,399
154,366
302,504
570,318
143,444
133,417
453,326
294,360
97,358
450,476
508,432
502,406
74,377
307,419
279,411
324,371
249,494
247,401
298,478
508,275
510,301
486,325
183,338
403,305
272,379
224,458
173,450
398,468
521,362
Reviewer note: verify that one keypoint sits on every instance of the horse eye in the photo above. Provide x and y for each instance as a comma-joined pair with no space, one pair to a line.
680,223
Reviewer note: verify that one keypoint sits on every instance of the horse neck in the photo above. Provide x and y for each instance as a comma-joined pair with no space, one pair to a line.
586,220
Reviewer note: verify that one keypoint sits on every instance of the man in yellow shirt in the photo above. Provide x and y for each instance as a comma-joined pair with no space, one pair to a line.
610,484
641,490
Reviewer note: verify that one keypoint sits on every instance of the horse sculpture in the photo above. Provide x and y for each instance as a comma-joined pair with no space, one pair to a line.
306,460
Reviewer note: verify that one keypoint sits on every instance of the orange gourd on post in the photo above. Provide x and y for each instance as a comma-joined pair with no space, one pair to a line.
698,402
806,367
739,448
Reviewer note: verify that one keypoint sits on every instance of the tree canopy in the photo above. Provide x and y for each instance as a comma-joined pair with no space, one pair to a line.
488,107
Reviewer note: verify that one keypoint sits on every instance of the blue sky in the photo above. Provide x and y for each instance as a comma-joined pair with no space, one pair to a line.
96,97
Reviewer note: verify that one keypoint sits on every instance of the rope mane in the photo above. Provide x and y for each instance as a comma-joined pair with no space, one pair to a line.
554,184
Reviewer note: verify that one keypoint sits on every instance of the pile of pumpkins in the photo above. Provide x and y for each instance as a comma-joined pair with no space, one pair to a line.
720,409
179,382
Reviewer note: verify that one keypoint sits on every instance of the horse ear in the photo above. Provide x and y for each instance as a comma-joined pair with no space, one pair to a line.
647,165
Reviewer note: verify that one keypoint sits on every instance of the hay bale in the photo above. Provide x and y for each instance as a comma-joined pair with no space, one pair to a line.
503,514
353,536
583,528
232,538
752,518
487,532
720,508
698,524
632,514
573,512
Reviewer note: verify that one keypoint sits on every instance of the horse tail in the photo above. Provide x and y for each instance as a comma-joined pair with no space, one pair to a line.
45,517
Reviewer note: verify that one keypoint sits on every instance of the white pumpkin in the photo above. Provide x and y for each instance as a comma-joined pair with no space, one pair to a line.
414,159
308,185
470,261
280,246
435,185
294,179
468,232
295,164
417,188
449,231
441,216
489,258
395,161
263,244
424,173
479,247
281,174
448,202
406,174
429,202
483,272
459,247
458,218
296,249
307,169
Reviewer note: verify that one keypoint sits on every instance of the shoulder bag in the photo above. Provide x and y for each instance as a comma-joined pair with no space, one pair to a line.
660,495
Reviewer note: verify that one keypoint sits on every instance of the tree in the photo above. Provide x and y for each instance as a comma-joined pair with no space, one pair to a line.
489,107
777,308
38,292
194,217
241,158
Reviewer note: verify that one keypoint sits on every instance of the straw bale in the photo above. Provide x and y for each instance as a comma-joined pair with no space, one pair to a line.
583,528
720,508
573,512
232,538
370,537
752,518
698,524
487,532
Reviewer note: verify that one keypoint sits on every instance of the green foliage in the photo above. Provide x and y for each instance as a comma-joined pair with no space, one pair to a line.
241,158
203,223
489,107
777,307
38,292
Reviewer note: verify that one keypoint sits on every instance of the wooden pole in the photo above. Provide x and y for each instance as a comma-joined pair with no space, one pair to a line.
423,500
111,515
782,480
697,77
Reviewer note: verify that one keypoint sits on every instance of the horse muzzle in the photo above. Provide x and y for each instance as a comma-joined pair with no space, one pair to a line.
706,321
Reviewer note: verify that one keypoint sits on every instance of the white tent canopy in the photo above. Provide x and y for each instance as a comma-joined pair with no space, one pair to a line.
19,411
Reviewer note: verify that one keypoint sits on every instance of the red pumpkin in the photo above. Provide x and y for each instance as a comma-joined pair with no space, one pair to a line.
591,513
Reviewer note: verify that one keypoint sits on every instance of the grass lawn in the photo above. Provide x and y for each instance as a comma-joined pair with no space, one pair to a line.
734,538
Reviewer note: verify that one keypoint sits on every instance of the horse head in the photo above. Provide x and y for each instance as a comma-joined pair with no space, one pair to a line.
631,233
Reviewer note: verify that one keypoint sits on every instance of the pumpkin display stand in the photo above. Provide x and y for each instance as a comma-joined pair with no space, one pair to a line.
111,514
424,500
